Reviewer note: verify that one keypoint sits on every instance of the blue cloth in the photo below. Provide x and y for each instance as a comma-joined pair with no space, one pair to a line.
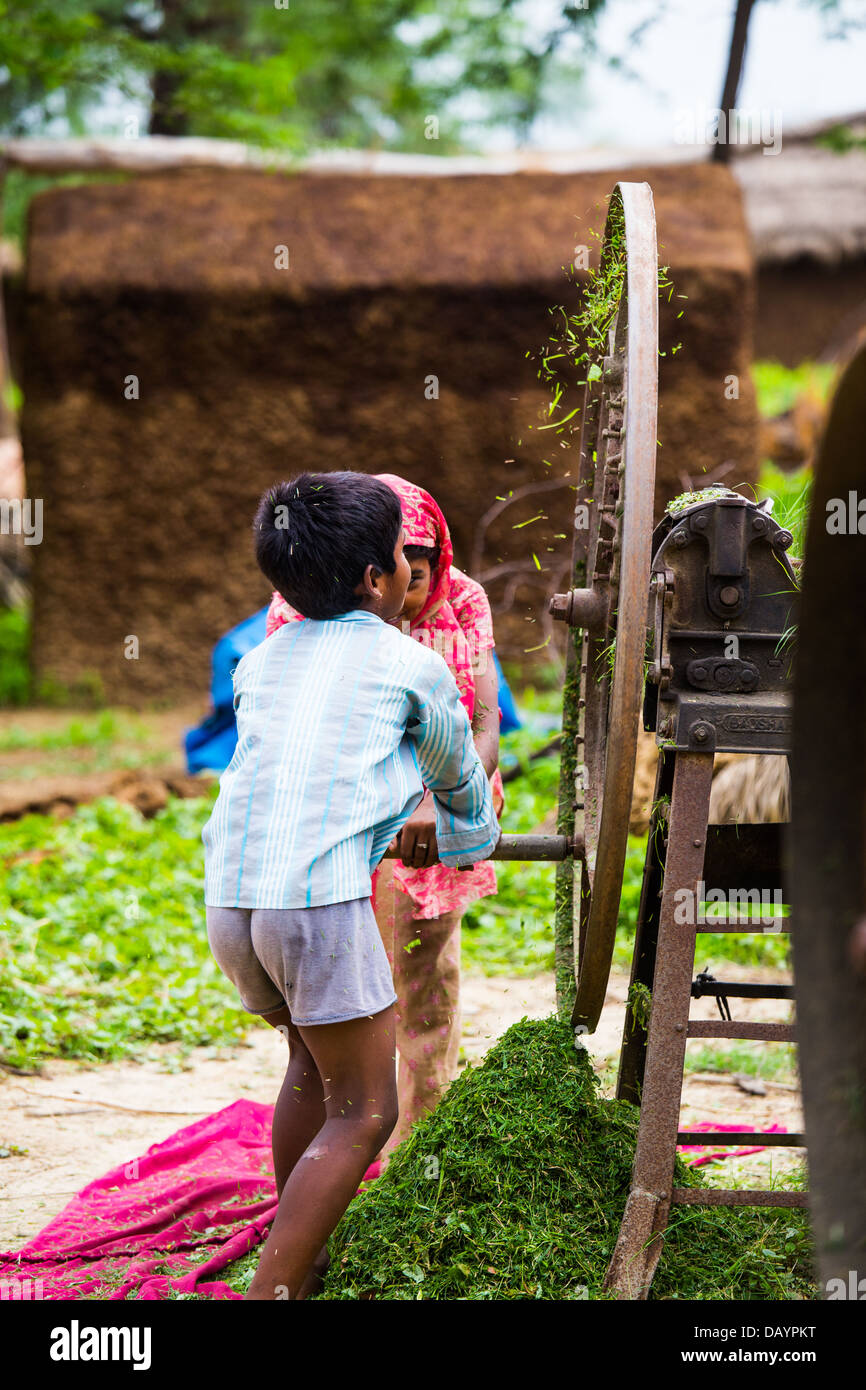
510,718
210,745
341,725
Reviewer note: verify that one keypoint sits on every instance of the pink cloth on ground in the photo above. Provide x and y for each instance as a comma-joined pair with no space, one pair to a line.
195,1202
167,1220
700,1157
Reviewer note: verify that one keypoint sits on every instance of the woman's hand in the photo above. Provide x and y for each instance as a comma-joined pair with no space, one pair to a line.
417,840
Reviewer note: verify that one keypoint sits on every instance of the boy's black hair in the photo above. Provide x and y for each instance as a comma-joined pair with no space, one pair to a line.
423,552
316,534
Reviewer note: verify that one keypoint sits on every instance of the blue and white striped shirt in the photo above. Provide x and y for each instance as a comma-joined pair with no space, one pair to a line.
341,724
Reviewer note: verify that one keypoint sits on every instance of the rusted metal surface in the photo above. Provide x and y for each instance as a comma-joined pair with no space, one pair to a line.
613,603
749,924
634,1038
527,848
737,1197
640,1239
721,598
792,1140
827,835
754,1032
725,609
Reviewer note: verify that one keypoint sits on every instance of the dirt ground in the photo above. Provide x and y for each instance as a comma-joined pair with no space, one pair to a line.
76,1123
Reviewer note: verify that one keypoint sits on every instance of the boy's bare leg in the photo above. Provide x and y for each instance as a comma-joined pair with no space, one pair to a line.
300,1109
299,1114
355,1061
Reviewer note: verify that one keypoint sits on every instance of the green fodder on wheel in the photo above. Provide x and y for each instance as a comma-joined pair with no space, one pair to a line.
514,1188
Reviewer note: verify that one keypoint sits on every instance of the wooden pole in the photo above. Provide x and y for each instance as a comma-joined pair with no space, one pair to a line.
722,149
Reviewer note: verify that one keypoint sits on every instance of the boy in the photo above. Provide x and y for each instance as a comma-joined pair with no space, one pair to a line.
342,720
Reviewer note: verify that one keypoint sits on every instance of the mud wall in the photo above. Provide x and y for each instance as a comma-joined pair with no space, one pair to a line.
246,372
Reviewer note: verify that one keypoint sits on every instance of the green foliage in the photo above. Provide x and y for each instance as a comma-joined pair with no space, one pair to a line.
773,1061
514,1188
92,731
343,72
841,139
791,493
777,387
513,932
579,341
14,656
103,948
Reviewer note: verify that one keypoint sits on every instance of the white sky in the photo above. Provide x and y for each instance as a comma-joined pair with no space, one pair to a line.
791,64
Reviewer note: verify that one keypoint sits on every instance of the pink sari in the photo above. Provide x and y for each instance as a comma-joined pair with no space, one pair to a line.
462,637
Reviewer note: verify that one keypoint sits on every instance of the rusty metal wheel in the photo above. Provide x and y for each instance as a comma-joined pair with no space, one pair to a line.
613,550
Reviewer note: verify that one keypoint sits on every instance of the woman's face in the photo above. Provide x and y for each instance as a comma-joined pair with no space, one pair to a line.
419,588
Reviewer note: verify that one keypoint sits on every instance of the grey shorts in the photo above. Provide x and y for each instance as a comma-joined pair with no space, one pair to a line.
326,963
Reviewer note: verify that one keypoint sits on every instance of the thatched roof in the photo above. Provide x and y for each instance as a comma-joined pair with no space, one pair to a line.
807,202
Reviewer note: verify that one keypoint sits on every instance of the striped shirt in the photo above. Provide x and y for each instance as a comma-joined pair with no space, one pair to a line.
341,724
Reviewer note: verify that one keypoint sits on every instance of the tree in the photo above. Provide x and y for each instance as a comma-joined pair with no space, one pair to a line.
352,72
722,150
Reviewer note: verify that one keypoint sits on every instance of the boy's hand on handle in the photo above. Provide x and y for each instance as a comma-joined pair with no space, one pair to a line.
417,840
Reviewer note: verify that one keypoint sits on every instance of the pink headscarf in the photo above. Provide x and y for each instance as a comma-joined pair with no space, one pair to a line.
436,624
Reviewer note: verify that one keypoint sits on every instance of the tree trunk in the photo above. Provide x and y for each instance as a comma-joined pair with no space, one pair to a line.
165,119
722,149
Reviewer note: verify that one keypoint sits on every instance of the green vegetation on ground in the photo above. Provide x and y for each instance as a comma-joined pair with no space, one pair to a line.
104,950
514,1188
777,387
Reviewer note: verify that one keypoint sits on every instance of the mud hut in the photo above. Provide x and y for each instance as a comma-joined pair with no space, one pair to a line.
806,211
188,338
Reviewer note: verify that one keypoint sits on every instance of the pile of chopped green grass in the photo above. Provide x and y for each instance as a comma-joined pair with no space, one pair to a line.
514,1188
680,504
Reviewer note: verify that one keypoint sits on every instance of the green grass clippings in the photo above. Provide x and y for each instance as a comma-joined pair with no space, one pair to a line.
514,1189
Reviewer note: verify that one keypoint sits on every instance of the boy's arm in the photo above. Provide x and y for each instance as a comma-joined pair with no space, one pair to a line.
466,825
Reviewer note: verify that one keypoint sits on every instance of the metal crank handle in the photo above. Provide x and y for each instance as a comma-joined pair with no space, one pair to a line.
526,848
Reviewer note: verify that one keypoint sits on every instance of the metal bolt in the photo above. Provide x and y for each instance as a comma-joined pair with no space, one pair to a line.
699,733
678,1028
784,539
730,595
759,523
701,672
701,522
680,539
